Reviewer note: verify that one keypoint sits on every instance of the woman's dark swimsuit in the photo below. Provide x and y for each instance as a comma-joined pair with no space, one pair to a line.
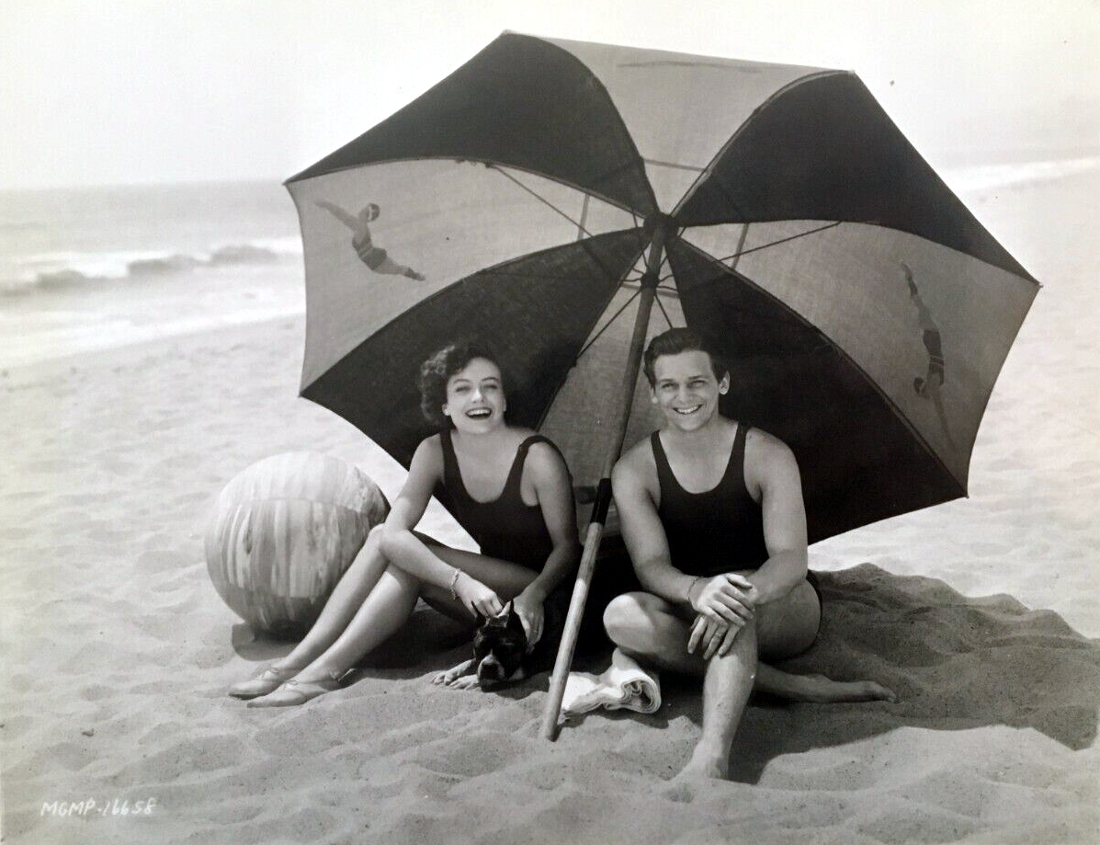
719,530
506,528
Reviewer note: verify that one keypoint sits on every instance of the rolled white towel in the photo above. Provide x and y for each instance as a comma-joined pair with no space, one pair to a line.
624,686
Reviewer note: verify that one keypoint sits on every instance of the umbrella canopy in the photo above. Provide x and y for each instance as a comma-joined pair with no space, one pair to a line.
863,310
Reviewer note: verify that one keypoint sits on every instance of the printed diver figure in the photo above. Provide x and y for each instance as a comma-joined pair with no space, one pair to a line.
376,258
930,334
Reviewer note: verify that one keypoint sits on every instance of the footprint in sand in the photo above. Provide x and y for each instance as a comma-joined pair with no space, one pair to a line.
680,792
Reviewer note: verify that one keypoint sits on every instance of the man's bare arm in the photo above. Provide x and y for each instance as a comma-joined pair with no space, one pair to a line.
643,533
714,598
771,466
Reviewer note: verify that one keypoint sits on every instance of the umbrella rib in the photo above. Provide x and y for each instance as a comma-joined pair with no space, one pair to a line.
545,276
693,168
607,325
542,199
767,245
488,163
660,305
781,241
607,302
662,290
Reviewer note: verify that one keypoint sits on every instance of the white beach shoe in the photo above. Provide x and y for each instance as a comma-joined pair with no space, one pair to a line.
267,681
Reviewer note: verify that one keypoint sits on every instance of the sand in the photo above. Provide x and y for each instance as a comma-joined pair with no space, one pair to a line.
982,614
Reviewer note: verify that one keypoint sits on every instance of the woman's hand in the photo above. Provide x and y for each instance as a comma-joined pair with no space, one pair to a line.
528,607
728,599
476,597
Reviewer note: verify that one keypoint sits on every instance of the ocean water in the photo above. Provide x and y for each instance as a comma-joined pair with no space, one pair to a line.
83,269
89,268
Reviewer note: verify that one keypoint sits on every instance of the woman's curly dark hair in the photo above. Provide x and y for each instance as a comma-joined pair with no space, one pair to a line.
437,371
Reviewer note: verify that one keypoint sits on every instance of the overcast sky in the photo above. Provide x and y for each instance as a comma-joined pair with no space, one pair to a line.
123,92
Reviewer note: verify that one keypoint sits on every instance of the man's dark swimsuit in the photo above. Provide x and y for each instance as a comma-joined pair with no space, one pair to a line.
719,530
505,528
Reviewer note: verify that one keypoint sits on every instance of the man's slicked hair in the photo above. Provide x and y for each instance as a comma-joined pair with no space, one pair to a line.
675,341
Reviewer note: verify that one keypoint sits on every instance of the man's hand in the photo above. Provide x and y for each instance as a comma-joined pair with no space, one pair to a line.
713,638
725,604
728,598
529,610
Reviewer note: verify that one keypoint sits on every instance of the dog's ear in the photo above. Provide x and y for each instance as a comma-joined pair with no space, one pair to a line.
501,619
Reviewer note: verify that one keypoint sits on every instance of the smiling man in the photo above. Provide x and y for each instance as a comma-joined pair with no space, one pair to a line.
713,518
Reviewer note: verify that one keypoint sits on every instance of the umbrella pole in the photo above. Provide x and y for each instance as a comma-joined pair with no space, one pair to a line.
603,492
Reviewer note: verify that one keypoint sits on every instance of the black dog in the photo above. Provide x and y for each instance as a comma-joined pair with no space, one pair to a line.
500,651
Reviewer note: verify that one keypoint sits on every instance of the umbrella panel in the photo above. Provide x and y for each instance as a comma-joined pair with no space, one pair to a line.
859,460
375,386
447,220
848,281
680,109
521,102
825,150
582,417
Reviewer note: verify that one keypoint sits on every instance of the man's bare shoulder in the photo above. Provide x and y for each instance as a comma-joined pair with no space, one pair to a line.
765,444
636,464
767,458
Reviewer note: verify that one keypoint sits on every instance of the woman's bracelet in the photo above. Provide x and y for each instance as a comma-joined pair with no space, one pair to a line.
454,580
691,587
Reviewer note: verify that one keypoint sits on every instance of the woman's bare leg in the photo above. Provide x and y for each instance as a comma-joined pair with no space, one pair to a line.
388,606
386,609
347,598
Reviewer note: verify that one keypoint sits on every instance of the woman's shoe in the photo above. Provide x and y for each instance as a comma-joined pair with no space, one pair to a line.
295,692
267,681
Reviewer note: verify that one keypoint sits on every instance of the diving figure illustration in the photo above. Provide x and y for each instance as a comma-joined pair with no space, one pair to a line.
930,385
930,332
376,258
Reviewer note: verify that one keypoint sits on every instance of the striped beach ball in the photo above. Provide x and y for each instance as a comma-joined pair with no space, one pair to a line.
283,532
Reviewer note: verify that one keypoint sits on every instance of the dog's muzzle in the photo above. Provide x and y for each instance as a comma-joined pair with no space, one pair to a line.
490,669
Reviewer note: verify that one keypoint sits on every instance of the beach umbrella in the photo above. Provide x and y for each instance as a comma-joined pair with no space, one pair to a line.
568,200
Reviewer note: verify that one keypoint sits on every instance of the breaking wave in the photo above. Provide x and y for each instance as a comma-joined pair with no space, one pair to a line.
71,270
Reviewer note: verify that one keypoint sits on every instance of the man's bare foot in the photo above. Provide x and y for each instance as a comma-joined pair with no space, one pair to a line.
706,762
823,690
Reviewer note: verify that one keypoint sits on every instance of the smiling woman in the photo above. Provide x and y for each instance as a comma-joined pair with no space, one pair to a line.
507,486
